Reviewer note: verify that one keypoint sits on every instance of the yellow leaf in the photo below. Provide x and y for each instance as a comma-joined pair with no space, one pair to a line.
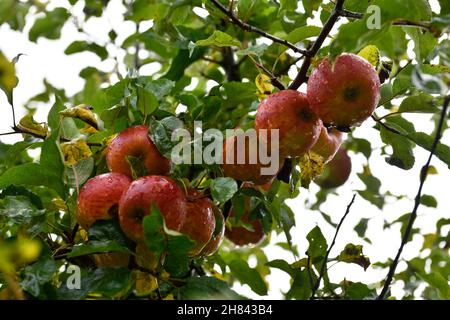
432,170
353,254
371,54
82,112
169,297
28,249
74,151
302,263
145,283
146,258
28,125
311,166
264,85
8,80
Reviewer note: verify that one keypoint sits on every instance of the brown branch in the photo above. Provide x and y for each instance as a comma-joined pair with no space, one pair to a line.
412,217
249,28
17,130
408,23
273,79
301,76
325,260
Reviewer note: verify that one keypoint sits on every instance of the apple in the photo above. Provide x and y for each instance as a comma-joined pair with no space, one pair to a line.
298,125
135,142
250,170
148,191
216,240
240,235
99,198
344,93
336,172
328,143
200,221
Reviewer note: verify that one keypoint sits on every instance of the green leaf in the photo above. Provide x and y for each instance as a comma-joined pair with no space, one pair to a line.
436,280
317,245
80,172
246,275
429,201
302,33
82,46
282,265
421,103
109,282
426,142
301,286
206,288
353,254
402,153
154,231
359,291
219,39
361,227
147,102
38,274
32,174
95,246
19,213
177,260
49,26
257,50
105,230
223,189
161,134
424,43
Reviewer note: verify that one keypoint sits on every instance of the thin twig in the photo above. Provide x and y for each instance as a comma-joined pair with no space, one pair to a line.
325,260
413,215
249,28
273,79
17,130
408,23
301,76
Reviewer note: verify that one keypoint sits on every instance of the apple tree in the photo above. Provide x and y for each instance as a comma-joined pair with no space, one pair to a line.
93,205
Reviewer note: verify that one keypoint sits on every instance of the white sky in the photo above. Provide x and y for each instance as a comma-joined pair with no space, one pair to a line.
46,59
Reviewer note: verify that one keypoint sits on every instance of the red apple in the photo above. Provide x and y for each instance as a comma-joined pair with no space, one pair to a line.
200,221
344,93
146,192
298,125
99,198
249,170
328,144
336,172
135,142
216,240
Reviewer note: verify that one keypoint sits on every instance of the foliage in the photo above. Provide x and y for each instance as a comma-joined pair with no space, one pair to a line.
212,69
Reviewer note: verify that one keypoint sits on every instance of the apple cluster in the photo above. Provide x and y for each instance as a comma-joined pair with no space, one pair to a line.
115,195
340,95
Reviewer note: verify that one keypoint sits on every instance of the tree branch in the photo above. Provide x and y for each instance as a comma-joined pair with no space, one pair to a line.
17,130
249,28
412,217
273,79
301,76
324,264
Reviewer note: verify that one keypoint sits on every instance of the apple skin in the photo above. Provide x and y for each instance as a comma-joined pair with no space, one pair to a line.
246,171
142,194
135,141
216,240
200,221
298,125
336,172
328,143
99,198
345,93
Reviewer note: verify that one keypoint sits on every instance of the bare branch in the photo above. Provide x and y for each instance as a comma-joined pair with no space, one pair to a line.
249,28
413,215
324,263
